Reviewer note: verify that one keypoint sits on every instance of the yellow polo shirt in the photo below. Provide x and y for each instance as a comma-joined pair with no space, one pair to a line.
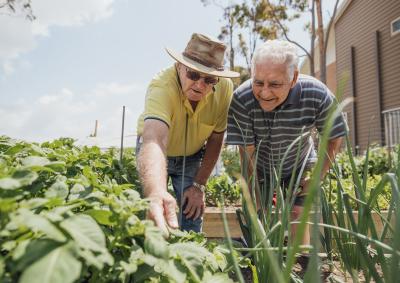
165,101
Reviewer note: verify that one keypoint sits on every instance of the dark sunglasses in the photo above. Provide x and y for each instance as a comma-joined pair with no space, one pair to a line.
195,76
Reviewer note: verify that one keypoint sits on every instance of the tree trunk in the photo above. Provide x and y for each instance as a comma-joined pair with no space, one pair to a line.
312,49
321,43
232,51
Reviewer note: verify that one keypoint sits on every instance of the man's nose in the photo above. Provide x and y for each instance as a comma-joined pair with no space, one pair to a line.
265,91
201,83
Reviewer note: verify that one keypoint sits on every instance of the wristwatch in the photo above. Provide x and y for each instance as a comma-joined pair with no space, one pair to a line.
202,188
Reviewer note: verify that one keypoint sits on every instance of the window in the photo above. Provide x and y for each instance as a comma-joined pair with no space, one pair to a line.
392,126
395,26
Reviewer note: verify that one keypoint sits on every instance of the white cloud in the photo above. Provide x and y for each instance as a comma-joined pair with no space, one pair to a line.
71,114
19,35
8,68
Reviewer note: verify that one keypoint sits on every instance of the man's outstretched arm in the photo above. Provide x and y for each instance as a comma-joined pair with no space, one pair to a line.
153,174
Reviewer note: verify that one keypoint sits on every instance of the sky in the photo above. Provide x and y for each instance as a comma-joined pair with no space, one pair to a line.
83,60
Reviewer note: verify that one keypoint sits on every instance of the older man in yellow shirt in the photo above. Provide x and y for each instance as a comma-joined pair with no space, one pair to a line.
180,132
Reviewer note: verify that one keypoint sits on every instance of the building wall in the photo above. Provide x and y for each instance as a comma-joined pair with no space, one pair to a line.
357,28
330,61
330,77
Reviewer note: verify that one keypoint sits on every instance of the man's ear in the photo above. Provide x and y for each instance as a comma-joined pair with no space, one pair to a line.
295,77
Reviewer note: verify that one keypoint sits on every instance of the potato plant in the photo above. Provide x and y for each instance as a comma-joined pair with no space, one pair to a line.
70,214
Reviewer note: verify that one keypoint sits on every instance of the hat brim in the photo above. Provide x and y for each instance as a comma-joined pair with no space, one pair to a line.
199,67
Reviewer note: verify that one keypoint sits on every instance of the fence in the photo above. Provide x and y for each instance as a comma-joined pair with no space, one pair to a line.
392,126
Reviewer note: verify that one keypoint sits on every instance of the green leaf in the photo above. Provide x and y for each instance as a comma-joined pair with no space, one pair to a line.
37,150
101,216
15,149
3,163
129,268
2,266
78,191
58,190
8,204
135,259
39,223
59,265
91,259
192,256
26,177
35,161
8,183
171,268
85,231
58,166
220,258
34,203
216,278
19,179
155,243
28,252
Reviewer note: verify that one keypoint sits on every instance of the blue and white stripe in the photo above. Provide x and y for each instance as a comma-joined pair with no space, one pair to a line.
306,107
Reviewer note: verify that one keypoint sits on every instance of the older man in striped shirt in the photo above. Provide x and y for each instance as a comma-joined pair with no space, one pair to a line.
273,109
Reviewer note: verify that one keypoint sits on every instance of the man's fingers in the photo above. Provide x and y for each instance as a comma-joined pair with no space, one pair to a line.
170,213
184,198
199,212
162,211
192,212
188,208
188,201
157,215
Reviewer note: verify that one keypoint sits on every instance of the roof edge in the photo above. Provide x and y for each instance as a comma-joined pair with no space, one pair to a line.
342,9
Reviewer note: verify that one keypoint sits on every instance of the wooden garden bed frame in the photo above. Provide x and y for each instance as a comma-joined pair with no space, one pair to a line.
213,226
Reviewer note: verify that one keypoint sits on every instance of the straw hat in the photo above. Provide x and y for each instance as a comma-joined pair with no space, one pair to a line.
204,54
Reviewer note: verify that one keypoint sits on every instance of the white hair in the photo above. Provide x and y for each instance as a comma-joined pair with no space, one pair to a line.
277,52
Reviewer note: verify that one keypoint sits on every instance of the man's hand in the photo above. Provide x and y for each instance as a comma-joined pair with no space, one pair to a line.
163,211
195,200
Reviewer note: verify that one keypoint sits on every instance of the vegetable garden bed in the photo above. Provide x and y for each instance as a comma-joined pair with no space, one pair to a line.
79,211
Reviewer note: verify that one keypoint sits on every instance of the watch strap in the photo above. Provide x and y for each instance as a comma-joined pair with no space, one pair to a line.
201,187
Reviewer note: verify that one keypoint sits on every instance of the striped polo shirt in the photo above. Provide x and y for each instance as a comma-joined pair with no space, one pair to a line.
272,132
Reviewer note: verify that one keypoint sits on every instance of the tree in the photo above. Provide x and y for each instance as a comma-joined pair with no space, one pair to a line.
323,34
255,24
245,24
323,37
227,30
298,7
254,20
17,6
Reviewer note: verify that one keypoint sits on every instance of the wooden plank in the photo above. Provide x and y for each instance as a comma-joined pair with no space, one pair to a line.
213,225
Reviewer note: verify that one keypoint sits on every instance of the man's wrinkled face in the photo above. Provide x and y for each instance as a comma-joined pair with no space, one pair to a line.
195,85
271,84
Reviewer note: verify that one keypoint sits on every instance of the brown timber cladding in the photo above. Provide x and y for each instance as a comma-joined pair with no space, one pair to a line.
357,27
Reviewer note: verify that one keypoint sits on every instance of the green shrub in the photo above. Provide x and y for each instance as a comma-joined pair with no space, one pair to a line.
222,186
330,187
231,160
380,161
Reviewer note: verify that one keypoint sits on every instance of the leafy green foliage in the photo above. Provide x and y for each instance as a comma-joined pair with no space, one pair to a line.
70,214
380,161
331,187
231,161
222,186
